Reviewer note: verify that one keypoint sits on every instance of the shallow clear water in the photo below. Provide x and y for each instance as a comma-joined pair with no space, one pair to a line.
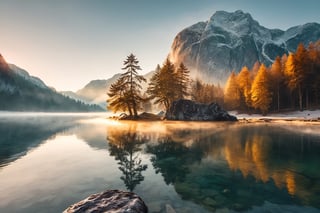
50,162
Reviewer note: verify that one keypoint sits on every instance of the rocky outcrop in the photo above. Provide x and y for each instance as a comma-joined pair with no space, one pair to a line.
187,110
110,201
229,41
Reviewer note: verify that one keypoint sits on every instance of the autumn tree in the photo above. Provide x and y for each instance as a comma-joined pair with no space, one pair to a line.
244,83
118,97
314,57
277,77
261,95
127,89
183,80
296,72
168,84
255,68
232,93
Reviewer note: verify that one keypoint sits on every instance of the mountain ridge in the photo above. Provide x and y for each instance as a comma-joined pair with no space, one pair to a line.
19,91
95,92
230,40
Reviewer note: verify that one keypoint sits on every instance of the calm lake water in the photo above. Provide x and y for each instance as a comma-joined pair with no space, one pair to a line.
48,162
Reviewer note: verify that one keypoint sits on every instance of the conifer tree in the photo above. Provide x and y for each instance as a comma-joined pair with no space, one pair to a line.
127,88
315,58
118,100
183,79
232,93
296,72
163,85
277,77
261,95
206,93
244,82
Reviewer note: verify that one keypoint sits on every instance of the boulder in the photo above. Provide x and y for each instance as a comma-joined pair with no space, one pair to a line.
187,110
110,201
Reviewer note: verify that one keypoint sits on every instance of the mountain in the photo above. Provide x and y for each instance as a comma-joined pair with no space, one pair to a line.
229,41
95,92
21,92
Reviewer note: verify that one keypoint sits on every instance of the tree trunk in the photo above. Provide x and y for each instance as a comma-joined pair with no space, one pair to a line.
278,97
129,109
307,99
135,112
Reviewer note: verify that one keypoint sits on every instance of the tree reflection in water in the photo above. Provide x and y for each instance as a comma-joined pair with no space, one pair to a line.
252,165
125,146
172,159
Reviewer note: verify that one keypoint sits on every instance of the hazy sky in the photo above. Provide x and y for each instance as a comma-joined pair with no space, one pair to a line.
67,43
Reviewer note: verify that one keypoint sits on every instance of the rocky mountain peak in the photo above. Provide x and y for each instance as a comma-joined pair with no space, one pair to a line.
230,40
237,22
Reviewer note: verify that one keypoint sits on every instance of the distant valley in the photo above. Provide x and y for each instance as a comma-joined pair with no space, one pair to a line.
95,92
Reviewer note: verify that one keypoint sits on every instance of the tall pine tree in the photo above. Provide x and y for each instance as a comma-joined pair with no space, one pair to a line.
168,84
127,90
183,81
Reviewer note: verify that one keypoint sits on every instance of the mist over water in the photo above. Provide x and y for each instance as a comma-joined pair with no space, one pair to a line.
48,162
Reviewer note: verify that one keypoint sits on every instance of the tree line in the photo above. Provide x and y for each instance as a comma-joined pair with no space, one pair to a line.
168,83
290,82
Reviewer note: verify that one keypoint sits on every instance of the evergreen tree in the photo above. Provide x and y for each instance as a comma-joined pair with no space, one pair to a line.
183,81
206,93
163,86
261,95
118,97
232,93
126,91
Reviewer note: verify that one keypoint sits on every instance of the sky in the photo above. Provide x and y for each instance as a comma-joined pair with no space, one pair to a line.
68,43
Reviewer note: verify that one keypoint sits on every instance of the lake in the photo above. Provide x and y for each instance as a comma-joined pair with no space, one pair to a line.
50,161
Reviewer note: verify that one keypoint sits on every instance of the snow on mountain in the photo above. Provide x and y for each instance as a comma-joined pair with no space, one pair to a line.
229,41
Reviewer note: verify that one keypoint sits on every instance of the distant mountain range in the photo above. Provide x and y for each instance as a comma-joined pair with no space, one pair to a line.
95,92
229,41
21,92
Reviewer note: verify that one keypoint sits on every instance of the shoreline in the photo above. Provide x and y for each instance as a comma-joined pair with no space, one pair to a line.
307,116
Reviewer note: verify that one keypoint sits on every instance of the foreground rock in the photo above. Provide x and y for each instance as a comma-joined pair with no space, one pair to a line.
110,201
187,110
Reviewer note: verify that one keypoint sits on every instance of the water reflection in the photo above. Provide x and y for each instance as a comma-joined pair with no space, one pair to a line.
21,134
194,167
172,158
125,146
252,165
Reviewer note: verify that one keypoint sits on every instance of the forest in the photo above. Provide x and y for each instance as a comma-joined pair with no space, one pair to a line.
291,82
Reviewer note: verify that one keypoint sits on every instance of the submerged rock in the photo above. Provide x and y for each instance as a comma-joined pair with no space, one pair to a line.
187,110
110,201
